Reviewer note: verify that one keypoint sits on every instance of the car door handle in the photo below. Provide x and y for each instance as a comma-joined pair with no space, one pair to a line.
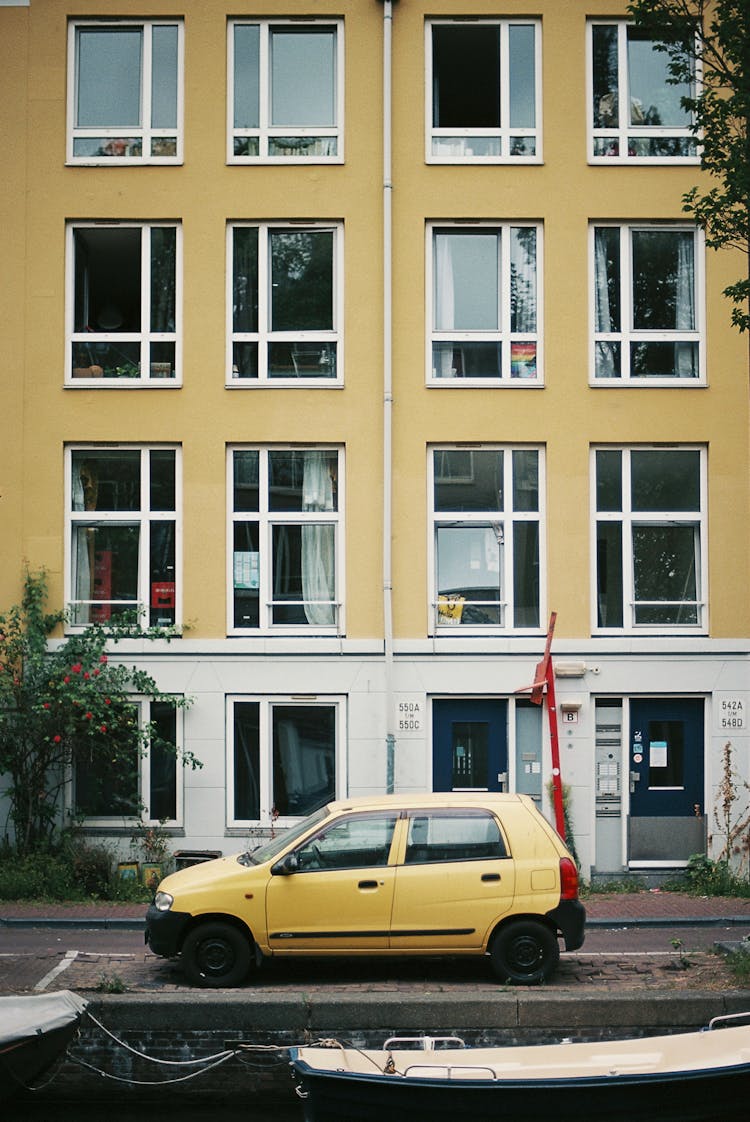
491,876
367,884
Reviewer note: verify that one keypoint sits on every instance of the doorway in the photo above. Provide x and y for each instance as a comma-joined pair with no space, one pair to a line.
469,744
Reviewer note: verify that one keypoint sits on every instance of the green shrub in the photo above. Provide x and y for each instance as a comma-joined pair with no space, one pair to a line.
704,877
44,876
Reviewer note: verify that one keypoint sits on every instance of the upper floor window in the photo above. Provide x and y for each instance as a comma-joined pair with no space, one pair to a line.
123,547
286,91
485,294
650,511
285,544
635,113
125,91
483,91
486,538
285,303
124,303
647,282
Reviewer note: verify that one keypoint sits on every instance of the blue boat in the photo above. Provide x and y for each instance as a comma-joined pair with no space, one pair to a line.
681,1076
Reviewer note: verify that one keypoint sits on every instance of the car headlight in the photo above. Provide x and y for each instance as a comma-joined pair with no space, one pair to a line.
163,901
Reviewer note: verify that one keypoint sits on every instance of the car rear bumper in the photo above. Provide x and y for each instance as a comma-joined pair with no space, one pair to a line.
570,918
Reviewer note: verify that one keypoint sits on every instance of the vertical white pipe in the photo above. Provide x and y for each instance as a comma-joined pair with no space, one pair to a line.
388,396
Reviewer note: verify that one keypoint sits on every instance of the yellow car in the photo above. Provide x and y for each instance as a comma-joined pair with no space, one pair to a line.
436,874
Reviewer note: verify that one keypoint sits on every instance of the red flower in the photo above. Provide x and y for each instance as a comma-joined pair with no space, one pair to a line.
102,658
76,668
102,728
89,716
46,705
87,675
107,701
66,679
95,673
57,739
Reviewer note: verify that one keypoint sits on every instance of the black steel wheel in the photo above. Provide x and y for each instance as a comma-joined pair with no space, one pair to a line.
525,952
216,954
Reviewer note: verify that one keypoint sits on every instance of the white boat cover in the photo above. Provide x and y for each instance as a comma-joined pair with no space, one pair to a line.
22,1017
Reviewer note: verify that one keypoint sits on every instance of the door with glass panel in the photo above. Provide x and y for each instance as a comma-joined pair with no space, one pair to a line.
666,764
469,744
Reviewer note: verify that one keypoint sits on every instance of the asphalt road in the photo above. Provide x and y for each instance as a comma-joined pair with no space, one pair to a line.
634,940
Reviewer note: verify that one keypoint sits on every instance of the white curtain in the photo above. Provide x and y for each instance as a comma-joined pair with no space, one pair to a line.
318,542
606,366
445,303
685,305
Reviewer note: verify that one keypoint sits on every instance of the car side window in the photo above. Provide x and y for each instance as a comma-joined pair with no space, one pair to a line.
362,841
453,836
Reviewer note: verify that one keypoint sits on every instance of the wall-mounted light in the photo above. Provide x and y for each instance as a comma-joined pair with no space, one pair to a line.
569,669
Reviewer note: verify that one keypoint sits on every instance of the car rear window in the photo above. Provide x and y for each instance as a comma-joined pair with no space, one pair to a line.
453,835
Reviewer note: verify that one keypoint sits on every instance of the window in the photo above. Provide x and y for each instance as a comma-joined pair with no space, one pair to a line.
124,304
286,758
285,304
483,91
125,92
148,787
485,296
648,304
650,538
285,546
636,114
462,835
360,842
487,543
286,91
123,545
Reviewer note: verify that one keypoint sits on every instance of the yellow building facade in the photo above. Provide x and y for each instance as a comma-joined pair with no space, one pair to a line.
354,340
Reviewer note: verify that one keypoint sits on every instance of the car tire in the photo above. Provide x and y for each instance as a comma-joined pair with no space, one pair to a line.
216,954
525,952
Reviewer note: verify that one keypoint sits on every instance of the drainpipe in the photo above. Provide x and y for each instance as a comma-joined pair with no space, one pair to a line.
390,740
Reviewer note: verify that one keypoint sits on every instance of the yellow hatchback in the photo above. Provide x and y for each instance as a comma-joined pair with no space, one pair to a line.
436,874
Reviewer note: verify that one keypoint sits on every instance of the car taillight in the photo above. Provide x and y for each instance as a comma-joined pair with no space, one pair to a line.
568,879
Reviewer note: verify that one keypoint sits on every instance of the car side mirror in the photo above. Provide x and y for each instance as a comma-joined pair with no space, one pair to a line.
288,864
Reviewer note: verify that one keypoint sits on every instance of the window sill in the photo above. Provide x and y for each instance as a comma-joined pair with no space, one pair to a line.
485,383
285,384
123,384
644,161
648,383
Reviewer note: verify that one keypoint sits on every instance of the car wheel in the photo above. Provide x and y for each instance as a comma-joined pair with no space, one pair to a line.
525,952
216,954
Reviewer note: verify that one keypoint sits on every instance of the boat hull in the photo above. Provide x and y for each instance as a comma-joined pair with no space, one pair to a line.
34,1032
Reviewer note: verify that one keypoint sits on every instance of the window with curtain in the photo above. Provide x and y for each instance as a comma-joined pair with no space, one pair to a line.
487,539
285,91
636,112
483,91
650,538
485,295
123,535
285,538
647,313
125,91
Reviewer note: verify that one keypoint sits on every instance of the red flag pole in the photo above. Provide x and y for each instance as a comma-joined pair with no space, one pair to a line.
544,675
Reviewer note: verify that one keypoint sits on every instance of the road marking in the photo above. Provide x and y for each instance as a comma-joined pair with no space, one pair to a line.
70,957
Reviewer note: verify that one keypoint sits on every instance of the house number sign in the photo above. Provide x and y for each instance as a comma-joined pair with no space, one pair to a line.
731,711
410,715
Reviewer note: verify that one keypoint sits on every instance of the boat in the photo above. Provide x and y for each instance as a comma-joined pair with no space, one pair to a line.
694,1076
35,1030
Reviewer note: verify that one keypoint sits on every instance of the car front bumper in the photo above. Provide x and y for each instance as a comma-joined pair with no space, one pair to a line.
165,931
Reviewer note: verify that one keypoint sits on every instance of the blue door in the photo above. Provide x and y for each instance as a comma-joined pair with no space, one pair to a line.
469,744
666,764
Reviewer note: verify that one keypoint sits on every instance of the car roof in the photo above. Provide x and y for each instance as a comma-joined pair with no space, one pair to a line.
427,799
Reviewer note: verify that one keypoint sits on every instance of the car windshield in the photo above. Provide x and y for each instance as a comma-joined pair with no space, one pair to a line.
275,845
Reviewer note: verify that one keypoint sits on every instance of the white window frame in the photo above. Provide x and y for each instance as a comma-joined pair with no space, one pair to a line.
266,520
126,821
265,132
505,133
153,378
628,334
142,517
507,517
628,519
503,335
264,336
145,132
266,705
624,131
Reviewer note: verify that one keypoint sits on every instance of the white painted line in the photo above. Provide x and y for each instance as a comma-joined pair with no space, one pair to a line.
70,957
